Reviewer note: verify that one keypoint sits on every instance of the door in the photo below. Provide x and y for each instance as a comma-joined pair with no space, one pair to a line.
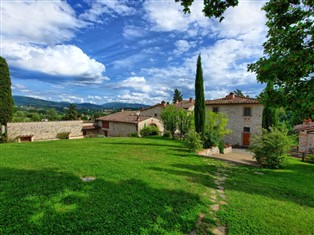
246,136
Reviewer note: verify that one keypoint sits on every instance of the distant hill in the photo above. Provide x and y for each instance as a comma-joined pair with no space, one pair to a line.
39,103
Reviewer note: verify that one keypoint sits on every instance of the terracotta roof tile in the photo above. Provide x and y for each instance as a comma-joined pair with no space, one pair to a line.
302,127
124,116
186,104
233,99
90,127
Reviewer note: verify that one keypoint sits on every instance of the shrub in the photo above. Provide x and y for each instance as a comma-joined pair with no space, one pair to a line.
149,130
211,139
167,134
63,135
133,134
271,147
221,146
193,141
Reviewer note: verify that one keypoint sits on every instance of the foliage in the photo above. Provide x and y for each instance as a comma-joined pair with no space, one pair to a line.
193,141
52,115
72,113
169,117
177,96
221,146
271,147
238,92
215,129
287,66
133,134
270,117
184,122
211,7
6,100
199,106
63,135
149,130
167,134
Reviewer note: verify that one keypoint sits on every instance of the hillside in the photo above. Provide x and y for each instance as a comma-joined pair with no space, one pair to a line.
39,103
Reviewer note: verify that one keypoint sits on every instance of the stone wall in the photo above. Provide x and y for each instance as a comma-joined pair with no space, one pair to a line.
45,130
237,121
306,142
151,121
120,129
153,112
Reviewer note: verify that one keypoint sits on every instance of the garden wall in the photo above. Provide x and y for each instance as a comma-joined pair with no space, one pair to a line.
45,130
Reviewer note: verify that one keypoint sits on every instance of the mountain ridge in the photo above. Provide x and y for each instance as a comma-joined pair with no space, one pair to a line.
40,103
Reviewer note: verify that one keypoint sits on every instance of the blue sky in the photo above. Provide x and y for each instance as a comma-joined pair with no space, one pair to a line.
129,51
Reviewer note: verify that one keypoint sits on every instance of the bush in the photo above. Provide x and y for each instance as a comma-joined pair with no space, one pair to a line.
63,135
211,139
193,141
221,146
149,130
167,134
133,134
271,147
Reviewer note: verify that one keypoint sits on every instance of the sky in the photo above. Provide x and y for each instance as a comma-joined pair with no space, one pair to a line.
134,51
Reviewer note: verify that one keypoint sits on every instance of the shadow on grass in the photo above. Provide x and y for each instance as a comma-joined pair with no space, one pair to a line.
51,202
201,174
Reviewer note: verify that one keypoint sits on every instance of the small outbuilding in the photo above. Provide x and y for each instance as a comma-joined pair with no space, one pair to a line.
306,136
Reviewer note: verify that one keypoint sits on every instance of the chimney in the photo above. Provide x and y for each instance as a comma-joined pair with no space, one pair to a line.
177,101
231,96
163,103
191,100
122,110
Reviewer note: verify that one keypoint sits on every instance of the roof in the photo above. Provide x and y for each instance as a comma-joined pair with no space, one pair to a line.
186,104
90,127
233,99
305,126
124,116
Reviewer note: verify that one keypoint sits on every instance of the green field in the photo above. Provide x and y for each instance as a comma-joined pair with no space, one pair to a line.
144,186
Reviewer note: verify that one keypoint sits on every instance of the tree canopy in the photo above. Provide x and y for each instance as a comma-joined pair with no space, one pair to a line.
199,106
211,8
6,99
287,66
177,96
72,113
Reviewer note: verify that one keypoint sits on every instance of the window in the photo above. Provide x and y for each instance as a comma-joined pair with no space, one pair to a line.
105,124
247,111
156,114
246,129
215,109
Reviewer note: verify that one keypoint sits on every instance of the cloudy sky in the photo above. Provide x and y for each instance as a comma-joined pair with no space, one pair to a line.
135,51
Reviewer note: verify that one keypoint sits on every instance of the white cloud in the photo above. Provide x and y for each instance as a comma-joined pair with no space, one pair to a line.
62,60
38,22
137,83
133,32
108,8
182,46
71,98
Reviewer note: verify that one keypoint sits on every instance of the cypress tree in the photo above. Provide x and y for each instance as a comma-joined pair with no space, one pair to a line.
6,99
199,109
270,117
177,96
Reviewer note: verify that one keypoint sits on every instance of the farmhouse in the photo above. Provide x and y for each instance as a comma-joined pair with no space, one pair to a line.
126,122
244,114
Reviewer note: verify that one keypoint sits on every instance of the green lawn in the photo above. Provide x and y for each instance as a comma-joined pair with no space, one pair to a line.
143,186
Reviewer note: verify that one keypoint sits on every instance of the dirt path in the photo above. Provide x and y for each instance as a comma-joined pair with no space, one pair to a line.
237,156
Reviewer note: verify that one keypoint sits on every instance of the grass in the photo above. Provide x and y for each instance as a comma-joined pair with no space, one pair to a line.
143,186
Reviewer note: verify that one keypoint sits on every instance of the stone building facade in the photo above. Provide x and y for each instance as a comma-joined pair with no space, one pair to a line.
125,123
244,114
306,137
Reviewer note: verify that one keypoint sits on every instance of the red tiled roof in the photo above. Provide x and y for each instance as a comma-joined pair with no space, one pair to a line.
124,116
186,104
303,127
233,99
90,127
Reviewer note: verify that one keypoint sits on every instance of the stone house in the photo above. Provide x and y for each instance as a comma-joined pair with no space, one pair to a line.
126,122
306,136
244,114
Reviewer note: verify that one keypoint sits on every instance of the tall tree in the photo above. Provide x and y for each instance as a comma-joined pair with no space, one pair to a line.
211,7
6,99
169,117
199,107
72,113
177,96
238,92
287,66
